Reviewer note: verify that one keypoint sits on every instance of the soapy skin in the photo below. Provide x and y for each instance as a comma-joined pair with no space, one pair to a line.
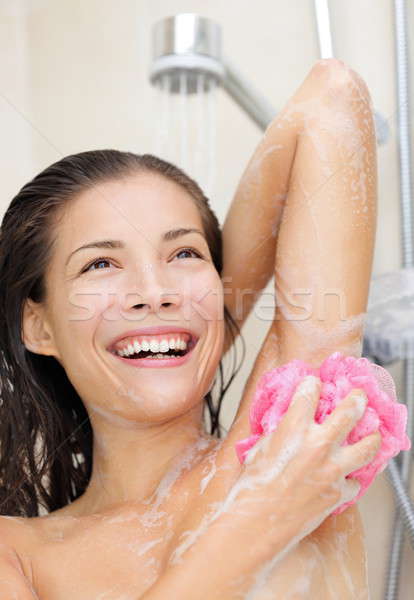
289,483
165,499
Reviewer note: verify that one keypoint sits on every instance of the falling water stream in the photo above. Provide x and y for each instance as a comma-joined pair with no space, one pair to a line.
185,123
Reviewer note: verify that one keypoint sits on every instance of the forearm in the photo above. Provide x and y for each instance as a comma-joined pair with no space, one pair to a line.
224,561
252,222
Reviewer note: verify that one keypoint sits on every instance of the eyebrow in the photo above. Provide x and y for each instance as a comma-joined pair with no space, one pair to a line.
168,236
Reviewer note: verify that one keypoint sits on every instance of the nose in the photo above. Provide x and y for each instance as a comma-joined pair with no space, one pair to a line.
152,293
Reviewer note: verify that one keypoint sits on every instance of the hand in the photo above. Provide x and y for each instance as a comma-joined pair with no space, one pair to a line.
294,477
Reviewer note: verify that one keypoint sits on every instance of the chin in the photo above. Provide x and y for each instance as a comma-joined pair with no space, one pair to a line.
158,404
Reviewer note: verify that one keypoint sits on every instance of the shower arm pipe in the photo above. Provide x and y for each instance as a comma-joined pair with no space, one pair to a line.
246,96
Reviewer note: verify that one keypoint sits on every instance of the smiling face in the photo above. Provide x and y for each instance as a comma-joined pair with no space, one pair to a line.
95,295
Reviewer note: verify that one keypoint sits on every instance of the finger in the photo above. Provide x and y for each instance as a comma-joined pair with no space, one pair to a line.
349,489
305,399
302,408
355,456
337,425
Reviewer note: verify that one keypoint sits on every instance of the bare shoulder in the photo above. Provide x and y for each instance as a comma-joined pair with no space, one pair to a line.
15,571
13,530
17,537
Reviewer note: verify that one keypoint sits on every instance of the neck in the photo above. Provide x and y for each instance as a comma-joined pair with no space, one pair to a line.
131,460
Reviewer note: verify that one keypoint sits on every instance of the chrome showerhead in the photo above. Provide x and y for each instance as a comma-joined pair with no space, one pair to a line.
190,44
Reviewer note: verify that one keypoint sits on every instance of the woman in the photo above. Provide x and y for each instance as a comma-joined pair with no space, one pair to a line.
139,496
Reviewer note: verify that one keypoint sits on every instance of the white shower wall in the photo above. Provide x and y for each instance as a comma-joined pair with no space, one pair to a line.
74,76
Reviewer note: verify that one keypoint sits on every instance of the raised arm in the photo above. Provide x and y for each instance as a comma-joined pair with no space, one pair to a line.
315,171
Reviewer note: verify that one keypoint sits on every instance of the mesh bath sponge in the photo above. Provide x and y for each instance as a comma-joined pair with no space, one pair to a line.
339,375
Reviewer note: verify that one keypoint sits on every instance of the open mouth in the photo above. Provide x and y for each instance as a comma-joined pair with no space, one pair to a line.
148,355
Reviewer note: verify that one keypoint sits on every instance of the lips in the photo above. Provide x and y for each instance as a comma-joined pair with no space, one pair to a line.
155,330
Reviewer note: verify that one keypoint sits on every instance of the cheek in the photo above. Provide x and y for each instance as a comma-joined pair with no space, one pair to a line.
76,314
87,302
207,296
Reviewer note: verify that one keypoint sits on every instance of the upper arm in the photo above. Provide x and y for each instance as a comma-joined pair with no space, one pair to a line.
326,244
14,585
328,564
340,541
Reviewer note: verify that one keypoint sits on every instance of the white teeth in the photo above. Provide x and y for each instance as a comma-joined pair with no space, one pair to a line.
137,346
164,346
154,346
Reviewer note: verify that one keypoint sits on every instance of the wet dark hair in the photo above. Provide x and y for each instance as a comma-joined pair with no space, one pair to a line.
46,437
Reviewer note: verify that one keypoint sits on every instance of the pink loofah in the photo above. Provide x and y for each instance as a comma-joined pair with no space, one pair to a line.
339,375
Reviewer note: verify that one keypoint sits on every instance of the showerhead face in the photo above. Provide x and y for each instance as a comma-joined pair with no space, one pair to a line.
184,80
185,46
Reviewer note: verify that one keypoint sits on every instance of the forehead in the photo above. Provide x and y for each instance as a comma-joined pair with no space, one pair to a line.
145,203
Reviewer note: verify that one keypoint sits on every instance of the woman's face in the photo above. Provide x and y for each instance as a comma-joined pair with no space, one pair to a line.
150,281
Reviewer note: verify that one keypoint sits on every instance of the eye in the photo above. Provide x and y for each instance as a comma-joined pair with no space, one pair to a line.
102,260
95,262
197,254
